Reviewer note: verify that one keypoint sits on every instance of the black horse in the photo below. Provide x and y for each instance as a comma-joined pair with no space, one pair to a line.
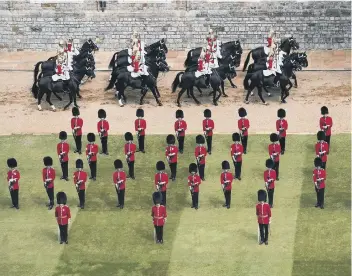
258,53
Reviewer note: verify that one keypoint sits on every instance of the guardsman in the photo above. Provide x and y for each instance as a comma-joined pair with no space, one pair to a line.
92,153
180,127
161,180
274,152
62,150
226,179
13,177
80,179
171,153
159,216
243,126
76,126
63,215
49,175
322,148
325,123
269,180
208,127
236,154
140,125
130,149
193,183
281,128
271,39
319,177
263,212
200,153
103,128
119,181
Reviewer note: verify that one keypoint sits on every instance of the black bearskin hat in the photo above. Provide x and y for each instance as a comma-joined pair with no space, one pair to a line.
269,163
281,113
140,112
128,136
63,135
118,164
200,139
274,137
242,112
48,161
236,137
79,164
318,162
101,114
75,111
225,165
160,166
193,168
91,137
324,110
61,198
157,197
262,195
170,139
179,114
11,163
321,135
207,113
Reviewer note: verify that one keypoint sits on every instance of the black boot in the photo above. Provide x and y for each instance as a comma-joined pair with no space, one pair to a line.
144,84
207,80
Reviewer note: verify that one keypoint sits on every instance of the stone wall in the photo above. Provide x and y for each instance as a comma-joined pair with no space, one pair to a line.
316,25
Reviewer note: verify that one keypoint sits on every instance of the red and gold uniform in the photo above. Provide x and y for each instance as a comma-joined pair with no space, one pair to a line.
119,180
274,153
319,177
236,155
13,177
62,150
76,126
161,181
208,128
226,179
103,128
243,126
180,128
325,124
159,215
281,128
263,213
194,181
321,150
140,125
130,150
63,214
171,153
49,175
200,153
92,150
79,179
269,180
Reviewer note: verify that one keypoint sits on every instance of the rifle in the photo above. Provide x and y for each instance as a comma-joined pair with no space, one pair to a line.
319,180
234,157
138,128
325,126
159,186
178,130
281,129
199,158
129,153
61,155
102,130
191,188
243,128
47,182
226,182
168,157
206,132
268,181
74,130
321,153
273,155
11,182
89,156
78,182
118,183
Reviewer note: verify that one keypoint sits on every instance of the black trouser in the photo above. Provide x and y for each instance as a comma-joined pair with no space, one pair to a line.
173,169
195,197
244,140
78,141
327,140
163,198
102,4
63,232
201,168
104,144
159,232
93,169
276,168
181,142
14,197
227,194
209,143
141,142
64,168
271,196
282,142
120,196
264,231
238,168
50,192
131,168
82,197
323,165
320,196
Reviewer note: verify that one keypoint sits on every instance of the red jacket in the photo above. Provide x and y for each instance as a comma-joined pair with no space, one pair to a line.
63,147
58,69
321,148
130,147
172,149
69,47
119,176
282,124
161,177
228,177
49,173
62,214
269,40
263,212
200,65
180,124
77,122
326,121
270,174
195,179
207,57
270,63
93,149
208,123
14,174
237,148
319,174
80,175
103,124
275,148
200,150
140,123
136,65
243,123
159,214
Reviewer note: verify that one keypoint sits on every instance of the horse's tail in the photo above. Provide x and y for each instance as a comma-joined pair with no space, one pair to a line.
112,80
112,61
35,81
189,57
247,60
176,82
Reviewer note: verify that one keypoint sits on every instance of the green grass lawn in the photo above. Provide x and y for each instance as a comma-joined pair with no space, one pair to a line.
104,240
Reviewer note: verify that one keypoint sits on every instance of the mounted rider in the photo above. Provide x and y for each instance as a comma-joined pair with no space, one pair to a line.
61,70
71,51
203,63
61,51
214,48
136,46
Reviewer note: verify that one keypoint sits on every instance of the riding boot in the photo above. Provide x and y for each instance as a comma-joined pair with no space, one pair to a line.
207,80
277,81
144,84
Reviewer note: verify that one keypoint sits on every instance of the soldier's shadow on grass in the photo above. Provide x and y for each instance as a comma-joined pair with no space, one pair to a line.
252,236
216,202
5,202
50,235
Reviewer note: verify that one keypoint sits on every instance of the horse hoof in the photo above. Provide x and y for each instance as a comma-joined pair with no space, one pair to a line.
283,101
224,95
160,104
269,95
79,97
252,93
179,105
53,108
295,86
215,103
265,103
198,103
246,102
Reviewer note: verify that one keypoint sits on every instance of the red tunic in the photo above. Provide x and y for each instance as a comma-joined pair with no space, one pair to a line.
161,177
132,58
136,66
321,148
103,124
130,147
172,149
243,123
326,121
200,150
228,177
196,180
159,214
282,124
59,69
69,47
270,63
77,122
14,174
263,212
80,175
49,173
200,65
275,148
269,40
140,123
270,174
93,149
319,174
237,148
62,214
208,123
180,124
207,57
119,176
63,147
